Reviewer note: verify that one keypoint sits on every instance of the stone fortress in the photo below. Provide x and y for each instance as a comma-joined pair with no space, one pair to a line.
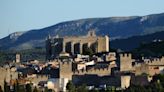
76,44
129,68
66,60
77,71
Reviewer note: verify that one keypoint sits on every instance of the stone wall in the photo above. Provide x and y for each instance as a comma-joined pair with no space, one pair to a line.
99,72
156,61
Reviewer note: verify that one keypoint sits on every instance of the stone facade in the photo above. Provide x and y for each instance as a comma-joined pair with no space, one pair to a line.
76,44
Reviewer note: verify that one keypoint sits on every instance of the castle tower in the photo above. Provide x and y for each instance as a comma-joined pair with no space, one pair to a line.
65,74
107,43
125,62
125,81
91,33
103,44
65,70
17,58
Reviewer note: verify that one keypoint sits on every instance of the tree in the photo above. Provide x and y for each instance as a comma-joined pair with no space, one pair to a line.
6,87
94,90
17,87
1,89
46,89
70,87
82,88
88,51
35,90
28,88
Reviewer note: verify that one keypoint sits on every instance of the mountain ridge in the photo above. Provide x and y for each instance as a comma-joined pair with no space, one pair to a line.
115,27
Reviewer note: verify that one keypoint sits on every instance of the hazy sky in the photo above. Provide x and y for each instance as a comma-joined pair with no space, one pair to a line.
23,15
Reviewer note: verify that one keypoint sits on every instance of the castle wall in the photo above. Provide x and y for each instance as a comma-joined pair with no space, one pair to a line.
141,68
157,61
148,69
99,72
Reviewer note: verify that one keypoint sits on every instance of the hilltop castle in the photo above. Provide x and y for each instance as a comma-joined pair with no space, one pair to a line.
76,45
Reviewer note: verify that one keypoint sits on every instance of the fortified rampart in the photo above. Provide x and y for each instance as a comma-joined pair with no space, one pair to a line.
156,61
99,72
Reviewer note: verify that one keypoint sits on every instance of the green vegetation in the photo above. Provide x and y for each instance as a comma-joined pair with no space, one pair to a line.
83,88
30,54
1,89
88,51
28,88
152,49
17,87
156,85
35,89
71,87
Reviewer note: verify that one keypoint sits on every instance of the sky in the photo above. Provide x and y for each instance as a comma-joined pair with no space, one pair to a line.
24,15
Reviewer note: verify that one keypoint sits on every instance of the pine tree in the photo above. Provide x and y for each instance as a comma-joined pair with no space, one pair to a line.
6,88
35,89
1,89
82,88
28,88
70,87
